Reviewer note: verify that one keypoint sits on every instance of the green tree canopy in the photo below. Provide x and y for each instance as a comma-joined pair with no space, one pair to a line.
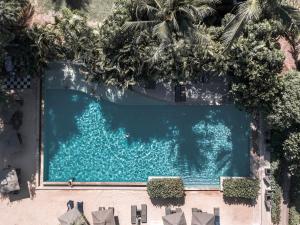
291,150
255,61
256,10
285,113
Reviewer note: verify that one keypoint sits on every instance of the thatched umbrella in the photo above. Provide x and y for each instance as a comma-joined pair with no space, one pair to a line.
103,217
174,219
72,217
201,218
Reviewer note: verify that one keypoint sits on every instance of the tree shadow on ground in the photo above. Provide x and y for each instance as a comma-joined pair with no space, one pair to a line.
72,4
239,201
168,202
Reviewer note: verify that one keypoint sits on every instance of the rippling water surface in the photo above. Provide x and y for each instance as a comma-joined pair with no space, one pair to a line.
92,140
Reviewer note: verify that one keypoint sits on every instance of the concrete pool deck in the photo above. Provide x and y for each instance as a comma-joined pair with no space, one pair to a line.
48,205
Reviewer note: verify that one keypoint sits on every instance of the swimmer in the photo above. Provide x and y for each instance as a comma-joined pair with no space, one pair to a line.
127,135
70,182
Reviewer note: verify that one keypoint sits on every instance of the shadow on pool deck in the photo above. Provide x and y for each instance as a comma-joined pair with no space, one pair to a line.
168,202
72,4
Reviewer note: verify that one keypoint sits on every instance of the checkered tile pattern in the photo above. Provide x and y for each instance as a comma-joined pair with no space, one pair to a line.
15,82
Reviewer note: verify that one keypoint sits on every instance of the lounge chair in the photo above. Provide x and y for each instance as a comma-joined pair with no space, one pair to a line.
268,172
217,216
177,93
267,178
20,139
268,205
268,197
70,204
144,213
112,208
180,93
183,93
133,214
80,206
196,210
168,211
178,210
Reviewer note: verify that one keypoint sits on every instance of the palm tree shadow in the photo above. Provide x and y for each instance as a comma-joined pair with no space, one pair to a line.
78,4
72,4
57,4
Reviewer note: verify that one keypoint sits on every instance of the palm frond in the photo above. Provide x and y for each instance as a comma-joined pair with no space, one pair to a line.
204,2
151,11
246,11
171,4
202,12
289,15
138,25
187,13
159,3
163,32
175,23
203,39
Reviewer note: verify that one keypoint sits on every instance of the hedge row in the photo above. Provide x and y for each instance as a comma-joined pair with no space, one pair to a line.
165,188
277,193
294,216
241,188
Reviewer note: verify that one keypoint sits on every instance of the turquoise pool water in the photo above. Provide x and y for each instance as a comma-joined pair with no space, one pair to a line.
92,140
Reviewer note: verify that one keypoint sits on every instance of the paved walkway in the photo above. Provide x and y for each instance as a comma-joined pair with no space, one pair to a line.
261,216
48,205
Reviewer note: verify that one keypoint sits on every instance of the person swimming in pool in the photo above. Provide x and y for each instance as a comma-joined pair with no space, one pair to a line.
70,182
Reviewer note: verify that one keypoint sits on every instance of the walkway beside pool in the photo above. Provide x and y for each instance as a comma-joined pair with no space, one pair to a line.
48,205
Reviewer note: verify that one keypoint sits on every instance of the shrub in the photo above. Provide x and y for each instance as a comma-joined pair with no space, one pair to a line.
291,152
277,193
285,114
256,61
294,216
241,188
165,188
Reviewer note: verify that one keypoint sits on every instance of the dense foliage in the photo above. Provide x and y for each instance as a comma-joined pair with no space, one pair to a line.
255,62
13,18
294,216
241,188
256,10
135,48
291,150
286,112
295,200
277,192
165,188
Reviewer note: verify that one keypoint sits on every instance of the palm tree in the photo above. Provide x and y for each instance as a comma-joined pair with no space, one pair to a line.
15,13
170,17
254,10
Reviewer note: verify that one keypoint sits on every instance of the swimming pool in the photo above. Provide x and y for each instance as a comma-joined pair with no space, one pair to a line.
100,141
